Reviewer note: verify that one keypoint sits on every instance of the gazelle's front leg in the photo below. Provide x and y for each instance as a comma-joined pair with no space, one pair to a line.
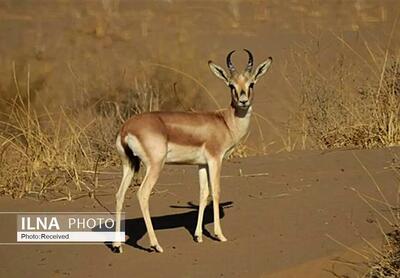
214,167
204,192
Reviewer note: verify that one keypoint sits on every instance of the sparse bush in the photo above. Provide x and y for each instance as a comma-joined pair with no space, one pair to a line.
50,155
333,116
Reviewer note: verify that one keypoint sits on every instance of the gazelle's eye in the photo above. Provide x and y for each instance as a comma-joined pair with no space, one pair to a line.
232,87
251,86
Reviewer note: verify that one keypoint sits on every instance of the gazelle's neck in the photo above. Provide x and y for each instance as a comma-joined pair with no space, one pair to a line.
238,121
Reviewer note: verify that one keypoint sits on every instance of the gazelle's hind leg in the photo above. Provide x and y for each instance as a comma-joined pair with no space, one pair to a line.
152,152
204,192
120,196
143,194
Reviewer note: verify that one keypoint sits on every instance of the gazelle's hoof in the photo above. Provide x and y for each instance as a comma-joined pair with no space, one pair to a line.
157,248
221,238
198,239
116,249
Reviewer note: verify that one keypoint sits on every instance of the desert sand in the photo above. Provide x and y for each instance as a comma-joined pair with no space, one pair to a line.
277,213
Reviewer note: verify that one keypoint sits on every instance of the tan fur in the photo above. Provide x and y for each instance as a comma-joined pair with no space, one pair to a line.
216,131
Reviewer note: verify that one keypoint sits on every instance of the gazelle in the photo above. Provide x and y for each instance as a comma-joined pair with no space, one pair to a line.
202,139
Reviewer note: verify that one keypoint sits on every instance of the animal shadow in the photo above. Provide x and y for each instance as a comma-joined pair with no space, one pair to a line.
135,228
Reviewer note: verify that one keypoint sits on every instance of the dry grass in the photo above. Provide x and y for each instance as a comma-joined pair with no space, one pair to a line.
48,155
349,105
366,119
388,263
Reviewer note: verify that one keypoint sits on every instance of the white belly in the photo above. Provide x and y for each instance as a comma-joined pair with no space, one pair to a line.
180,154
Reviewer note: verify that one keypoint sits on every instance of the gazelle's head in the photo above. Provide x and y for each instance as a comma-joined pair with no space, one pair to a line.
241,83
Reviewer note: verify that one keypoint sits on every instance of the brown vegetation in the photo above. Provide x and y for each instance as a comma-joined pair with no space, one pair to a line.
332,116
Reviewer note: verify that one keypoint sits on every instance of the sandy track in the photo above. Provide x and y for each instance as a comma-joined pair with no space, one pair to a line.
276,223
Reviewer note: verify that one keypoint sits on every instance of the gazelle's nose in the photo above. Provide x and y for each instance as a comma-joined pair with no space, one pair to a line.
243,98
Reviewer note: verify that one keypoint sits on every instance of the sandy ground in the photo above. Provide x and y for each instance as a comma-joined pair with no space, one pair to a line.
277,213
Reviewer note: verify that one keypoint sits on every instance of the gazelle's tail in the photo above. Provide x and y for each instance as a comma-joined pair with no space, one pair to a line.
125,151
134,160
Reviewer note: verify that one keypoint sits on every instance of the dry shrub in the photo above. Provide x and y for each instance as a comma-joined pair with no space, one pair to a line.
54,155
38,156
333,115
388,263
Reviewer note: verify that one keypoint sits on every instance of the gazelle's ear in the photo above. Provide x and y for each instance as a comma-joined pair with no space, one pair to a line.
262,69
219,72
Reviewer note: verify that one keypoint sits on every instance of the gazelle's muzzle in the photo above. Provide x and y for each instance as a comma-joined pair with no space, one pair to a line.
243,98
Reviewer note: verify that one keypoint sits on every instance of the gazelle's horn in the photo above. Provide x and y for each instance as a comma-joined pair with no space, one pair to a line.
229,63
249,66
